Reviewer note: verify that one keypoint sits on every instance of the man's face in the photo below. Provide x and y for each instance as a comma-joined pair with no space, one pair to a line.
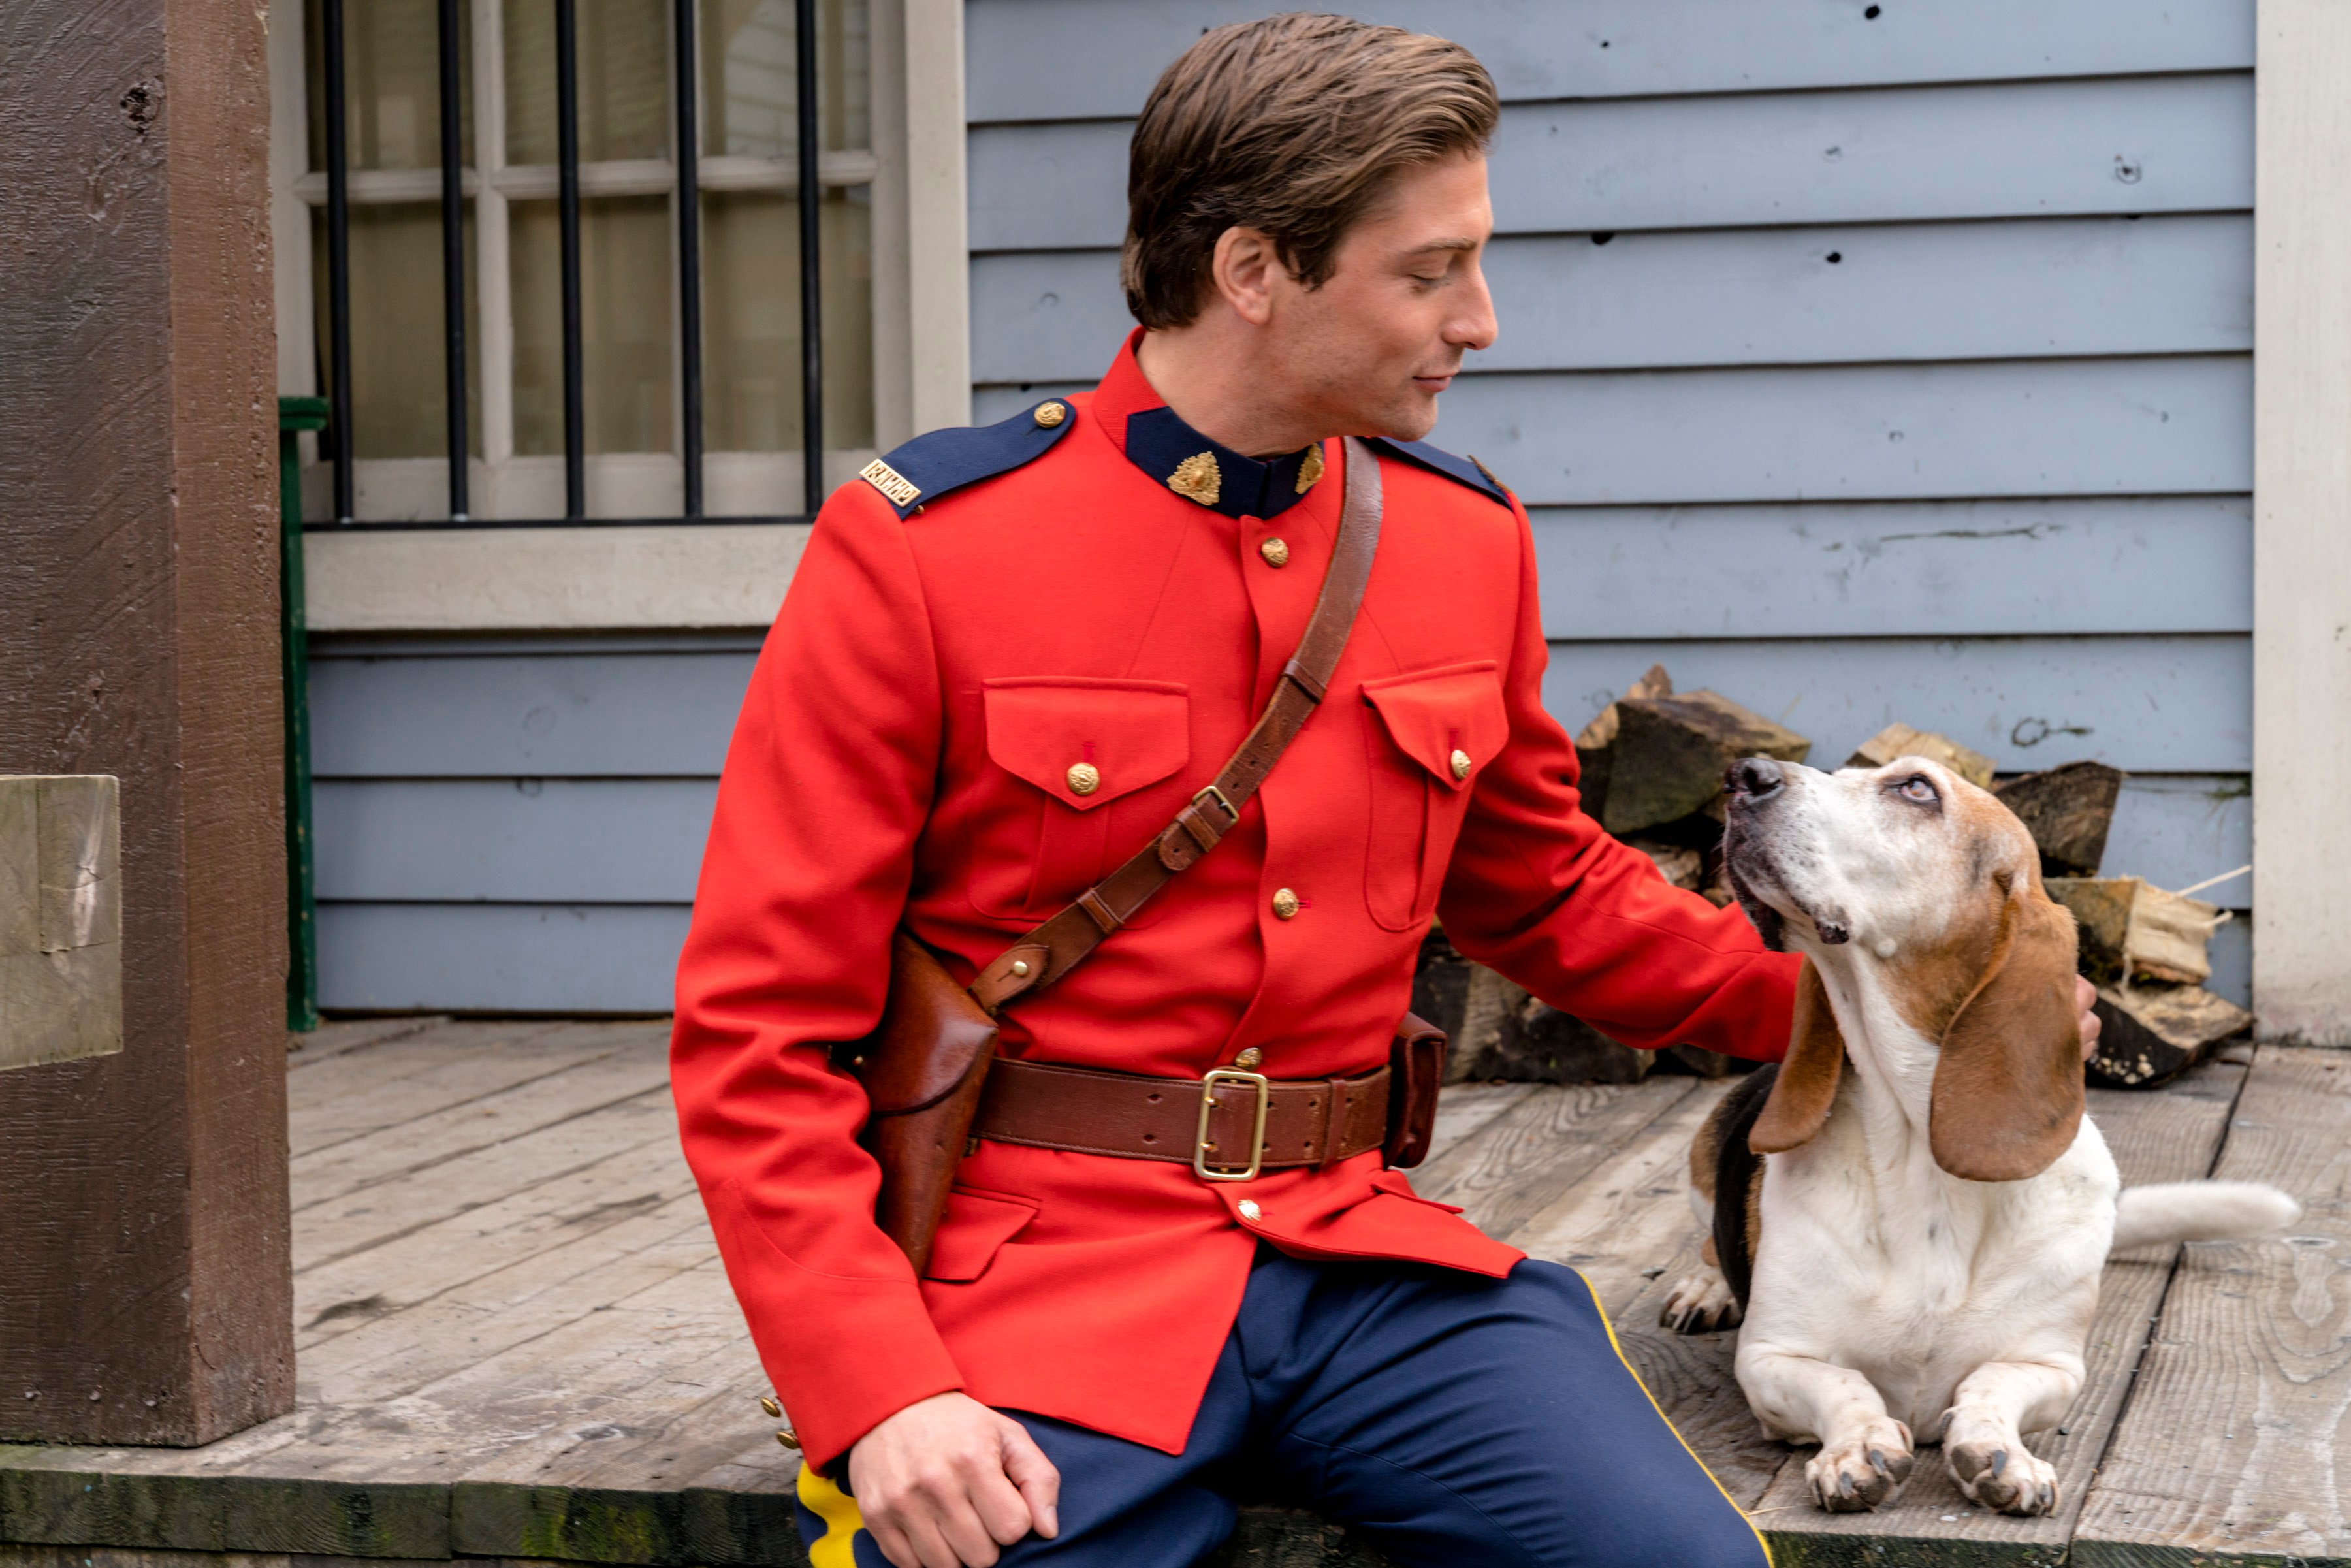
1369,350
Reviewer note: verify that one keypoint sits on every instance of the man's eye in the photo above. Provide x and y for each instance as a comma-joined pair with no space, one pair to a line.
1916,787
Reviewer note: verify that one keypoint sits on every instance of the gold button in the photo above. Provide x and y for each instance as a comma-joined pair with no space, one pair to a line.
775,1411
1049,415
1461,764
1276,553
1019,968
1285,905
790,1439
1084,778
1251,1211
1249,1059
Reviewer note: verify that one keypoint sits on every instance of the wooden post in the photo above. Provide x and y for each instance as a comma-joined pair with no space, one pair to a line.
146,1291
2301,522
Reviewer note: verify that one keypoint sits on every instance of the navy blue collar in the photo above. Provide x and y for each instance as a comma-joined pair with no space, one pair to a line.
1174,454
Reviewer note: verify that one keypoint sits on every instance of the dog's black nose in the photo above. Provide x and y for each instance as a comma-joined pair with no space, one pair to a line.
1756,778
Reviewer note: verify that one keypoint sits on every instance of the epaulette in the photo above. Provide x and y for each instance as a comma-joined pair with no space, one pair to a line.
932,465
1465,471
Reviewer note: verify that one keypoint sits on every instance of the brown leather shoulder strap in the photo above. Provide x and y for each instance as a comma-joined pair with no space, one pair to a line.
1061,943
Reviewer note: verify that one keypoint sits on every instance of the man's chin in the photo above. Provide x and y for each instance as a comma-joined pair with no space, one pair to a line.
1411,418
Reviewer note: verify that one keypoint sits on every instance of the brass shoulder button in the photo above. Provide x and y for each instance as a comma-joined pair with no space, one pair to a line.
1049,415
775,1411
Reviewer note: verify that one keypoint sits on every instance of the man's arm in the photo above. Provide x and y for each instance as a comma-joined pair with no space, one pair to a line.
1539,891
827,783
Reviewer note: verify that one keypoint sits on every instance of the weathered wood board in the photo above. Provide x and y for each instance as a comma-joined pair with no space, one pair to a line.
517,1346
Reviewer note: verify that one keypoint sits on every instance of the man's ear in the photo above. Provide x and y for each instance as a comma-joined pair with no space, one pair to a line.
1244,269
2008,1086
1807,1082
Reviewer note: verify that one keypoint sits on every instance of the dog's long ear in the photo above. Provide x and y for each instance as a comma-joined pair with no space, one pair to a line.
1807,1084
2008,1087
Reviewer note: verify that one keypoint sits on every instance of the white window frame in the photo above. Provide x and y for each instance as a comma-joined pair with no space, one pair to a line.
485,577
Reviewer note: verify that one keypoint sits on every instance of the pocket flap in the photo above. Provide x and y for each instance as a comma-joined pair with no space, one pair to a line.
975,1224
1087,742
1431,714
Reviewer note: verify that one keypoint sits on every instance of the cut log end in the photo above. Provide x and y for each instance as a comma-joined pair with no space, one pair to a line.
1899,740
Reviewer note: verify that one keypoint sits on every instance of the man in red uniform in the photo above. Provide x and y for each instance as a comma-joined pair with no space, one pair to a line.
1008,658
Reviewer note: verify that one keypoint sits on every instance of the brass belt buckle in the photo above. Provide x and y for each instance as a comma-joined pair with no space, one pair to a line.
1200,1146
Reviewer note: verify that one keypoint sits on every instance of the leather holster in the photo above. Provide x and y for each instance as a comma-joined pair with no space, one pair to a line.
1415,1072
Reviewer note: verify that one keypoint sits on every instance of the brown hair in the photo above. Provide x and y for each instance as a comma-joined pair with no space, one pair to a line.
1291,125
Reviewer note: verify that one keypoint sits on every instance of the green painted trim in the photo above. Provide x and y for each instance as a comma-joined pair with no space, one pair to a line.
296,414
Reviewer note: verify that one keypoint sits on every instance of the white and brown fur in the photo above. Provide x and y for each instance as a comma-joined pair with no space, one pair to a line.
1910,1213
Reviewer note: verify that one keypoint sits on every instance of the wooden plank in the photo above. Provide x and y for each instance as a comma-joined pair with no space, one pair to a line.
1047,59
1519,1162
2179,425
546,711
499,1058
2061,149
1899,568
490,958
391,1208
636,841
1668,299
2171,1135
2237,1441
439,1123
2155,705
1464,1109
355,1034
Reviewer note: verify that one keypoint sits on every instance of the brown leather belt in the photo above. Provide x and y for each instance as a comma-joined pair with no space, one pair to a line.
1226,1126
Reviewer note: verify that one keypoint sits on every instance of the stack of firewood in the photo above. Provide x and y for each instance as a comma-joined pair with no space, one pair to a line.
1653,764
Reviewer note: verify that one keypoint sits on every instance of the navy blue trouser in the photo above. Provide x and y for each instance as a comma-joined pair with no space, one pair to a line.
1449,1418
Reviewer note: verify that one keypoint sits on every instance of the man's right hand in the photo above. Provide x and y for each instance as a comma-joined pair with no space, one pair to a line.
946,1481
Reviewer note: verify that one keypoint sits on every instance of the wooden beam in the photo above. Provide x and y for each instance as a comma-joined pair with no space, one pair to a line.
146,1296
2301,521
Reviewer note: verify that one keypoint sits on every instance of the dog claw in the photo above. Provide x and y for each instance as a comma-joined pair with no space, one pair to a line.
2000,1461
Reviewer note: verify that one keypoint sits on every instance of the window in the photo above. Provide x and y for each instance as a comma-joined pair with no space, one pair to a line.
636,373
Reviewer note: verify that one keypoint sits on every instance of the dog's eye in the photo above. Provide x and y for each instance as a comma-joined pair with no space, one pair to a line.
1916,788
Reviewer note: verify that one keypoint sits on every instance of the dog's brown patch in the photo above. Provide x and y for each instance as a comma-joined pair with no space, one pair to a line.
1806,1086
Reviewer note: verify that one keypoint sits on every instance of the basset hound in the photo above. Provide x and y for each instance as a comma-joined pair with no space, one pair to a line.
1910,1213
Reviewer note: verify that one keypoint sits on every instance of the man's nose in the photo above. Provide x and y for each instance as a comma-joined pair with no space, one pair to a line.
1476,328
1755,779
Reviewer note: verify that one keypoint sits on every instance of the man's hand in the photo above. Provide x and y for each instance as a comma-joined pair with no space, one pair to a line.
2085,996
946,1481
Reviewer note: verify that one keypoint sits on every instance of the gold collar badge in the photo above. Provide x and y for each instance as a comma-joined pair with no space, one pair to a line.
1196,479
1310,469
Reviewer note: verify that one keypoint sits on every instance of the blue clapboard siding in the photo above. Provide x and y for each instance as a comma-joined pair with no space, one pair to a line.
1863,368
2142,145
2180,284
499,958
1092,59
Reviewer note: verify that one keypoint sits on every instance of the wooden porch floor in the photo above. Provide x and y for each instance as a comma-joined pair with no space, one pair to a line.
514,1339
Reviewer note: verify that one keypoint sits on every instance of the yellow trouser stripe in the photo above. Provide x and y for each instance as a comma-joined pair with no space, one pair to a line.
842,1521
1614,1345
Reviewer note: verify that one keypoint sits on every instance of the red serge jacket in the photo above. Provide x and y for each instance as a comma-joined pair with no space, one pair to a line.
905,750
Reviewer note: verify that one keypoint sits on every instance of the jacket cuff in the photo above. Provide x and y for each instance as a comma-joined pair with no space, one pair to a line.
843,1353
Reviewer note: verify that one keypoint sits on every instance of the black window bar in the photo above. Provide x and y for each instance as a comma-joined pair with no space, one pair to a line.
453,266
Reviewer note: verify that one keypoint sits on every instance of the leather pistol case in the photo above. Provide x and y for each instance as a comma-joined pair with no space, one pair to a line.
1415,1072
923,1069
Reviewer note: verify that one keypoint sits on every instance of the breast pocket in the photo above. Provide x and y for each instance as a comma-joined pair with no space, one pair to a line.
1432,733
1065,749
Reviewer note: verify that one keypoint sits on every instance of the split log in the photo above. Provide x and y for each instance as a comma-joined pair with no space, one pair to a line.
1548,1046
1592,742
1896,740
2133,931
2068,810
1668,756
2152,1034
1677,864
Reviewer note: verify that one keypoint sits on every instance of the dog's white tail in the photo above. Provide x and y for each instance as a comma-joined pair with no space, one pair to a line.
2200,1211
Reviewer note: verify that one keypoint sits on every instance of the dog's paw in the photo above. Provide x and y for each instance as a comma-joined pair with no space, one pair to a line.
1700,1303
1999,1473
1863,1470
